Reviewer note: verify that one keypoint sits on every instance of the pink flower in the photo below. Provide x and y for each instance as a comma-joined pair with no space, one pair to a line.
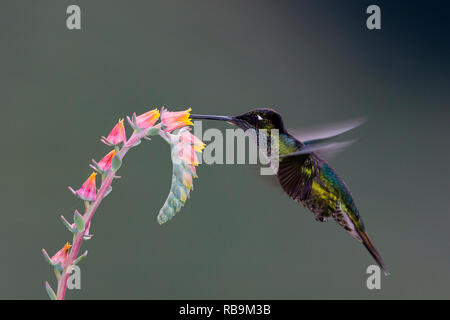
192,169
188,145
148,119
187,155
61,256
117,134
175,120
187,180
105,163
88,190
187,137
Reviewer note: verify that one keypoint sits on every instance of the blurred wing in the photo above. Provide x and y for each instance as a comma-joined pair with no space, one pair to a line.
326,150
316,139
325,132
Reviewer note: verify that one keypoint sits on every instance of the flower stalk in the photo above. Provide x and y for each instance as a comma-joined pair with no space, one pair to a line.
144,126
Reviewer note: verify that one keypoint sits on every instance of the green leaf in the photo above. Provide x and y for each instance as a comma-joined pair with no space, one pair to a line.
77,260
57,274
108,191
79,221
116,163
47,257
68,225
50,292
153,131
59,267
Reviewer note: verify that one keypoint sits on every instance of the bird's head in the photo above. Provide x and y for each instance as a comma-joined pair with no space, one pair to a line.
263,118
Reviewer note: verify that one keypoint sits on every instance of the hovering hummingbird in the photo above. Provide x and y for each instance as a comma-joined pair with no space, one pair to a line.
305,176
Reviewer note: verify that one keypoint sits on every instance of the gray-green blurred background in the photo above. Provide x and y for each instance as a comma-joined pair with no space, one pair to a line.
237,237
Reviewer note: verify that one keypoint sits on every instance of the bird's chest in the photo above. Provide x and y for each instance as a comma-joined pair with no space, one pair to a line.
321,199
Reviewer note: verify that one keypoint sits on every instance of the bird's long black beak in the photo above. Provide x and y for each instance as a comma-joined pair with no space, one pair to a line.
228,119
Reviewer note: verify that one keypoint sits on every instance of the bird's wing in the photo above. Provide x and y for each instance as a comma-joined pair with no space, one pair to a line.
316,139
322,133
295,177
323,149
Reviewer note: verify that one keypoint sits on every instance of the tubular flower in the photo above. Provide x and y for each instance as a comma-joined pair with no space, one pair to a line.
117,134
88,190
148,119
188,137
61,256
175,120
187,154
191,168
105,163
187,180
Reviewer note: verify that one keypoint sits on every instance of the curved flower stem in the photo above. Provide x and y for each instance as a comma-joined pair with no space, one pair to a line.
90,211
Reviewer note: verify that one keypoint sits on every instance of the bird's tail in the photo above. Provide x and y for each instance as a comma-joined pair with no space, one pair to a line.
371,248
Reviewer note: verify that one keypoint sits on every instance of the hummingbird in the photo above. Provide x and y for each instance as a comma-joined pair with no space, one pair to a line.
305,176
